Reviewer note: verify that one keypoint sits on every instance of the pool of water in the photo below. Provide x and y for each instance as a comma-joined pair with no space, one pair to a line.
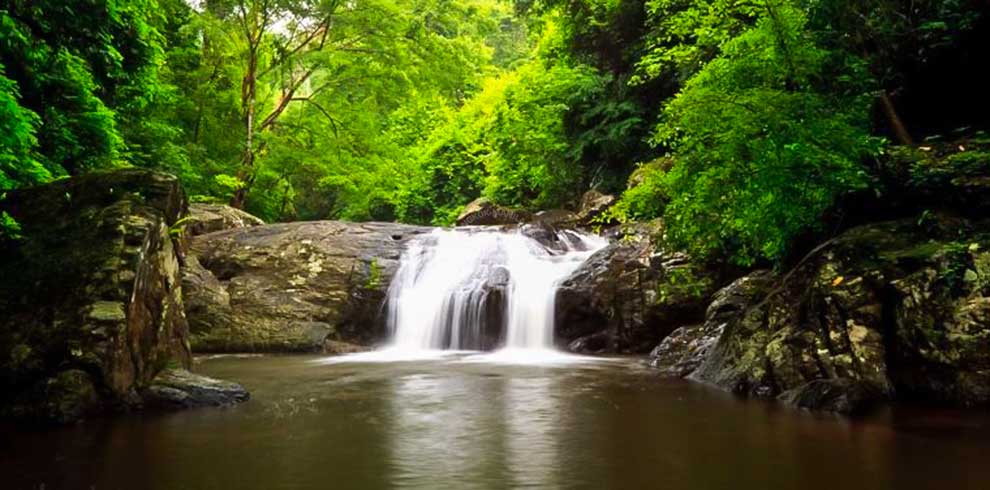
464,422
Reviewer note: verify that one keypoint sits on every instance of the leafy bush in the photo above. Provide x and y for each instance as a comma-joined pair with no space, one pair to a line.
17,140
762,145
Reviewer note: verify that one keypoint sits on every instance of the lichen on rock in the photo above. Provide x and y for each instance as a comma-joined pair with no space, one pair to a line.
886,311
292,287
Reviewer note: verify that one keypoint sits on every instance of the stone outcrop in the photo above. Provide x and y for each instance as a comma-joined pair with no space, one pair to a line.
208,218
895,310
686,348
179,388
292,287
482,212
628,296
90,293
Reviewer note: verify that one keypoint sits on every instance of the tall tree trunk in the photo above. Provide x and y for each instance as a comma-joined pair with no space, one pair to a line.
900,131
248,102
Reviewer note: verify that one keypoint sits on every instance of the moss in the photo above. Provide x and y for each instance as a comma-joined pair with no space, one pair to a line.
107,311
374,279
922,251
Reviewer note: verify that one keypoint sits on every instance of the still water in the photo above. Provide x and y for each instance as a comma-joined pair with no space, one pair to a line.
460,424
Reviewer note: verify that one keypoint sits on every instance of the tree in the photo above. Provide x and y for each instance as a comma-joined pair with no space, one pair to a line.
764,138
18,165
76,67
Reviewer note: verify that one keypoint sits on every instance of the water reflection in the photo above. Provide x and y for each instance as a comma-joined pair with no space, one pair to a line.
533,425
479,431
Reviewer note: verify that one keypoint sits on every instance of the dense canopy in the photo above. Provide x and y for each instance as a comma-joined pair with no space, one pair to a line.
741,122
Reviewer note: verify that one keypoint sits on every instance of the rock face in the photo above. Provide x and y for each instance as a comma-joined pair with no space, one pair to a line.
292,287
90,293
627,297
686,348
481,211
896,310
208,218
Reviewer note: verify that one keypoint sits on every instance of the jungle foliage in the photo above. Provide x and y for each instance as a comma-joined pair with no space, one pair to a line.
741,122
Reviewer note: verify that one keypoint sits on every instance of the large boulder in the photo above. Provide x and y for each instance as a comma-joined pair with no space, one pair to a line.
593,204
207,218
896,310
90,293
481,212
292,287
629,296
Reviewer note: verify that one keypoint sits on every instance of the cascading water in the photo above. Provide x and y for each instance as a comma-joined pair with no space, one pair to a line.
473,289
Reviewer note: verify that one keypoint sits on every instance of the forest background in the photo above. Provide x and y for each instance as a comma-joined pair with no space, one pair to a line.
742,123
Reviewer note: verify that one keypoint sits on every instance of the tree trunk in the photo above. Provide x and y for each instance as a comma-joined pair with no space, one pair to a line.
248,96
900,131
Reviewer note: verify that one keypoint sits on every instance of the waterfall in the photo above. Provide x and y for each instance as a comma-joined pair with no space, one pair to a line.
480,288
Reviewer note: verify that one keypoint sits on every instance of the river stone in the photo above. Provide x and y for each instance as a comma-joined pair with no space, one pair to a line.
292,287
886,311
840,395
91,293
179,388
631,294
207,218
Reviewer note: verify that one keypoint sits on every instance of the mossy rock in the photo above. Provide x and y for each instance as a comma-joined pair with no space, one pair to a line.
91,286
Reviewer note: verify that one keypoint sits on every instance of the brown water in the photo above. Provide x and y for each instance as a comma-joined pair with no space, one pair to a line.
442,424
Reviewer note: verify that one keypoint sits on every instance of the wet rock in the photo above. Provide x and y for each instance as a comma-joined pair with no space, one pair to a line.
481,211
634,294
680,353
556,218
596,343
337,347
207,218
686,348
845,396
593,204
545,234
940,343
541,232
292,287
179,388
888,311
91,292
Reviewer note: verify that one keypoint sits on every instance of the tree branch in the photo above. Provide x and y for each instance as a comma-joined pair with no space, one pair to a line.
287,97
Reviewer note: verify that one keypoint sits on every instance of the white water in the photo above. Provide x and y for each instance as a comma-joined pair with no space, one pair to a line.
448,283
